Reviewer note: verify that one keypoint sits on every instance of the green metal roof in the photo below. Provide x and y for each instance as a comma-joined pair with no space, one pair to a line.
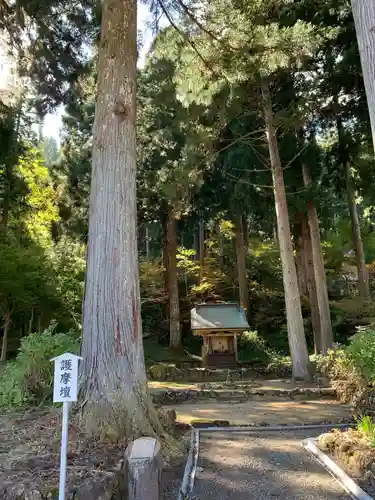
218,317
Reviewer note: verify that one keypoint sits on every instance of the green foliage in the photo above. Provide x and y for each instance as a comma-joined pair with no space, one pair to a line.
346,378
366,427
252,348
348,314
28,379
352,369
361,351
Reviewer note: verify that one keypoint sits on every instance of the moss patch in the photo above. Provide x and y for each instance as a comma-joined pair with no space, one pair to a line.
351,449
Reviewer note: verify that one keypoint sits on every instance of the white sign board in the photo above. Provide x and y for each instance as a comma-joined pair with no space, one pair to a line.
65,388
65,383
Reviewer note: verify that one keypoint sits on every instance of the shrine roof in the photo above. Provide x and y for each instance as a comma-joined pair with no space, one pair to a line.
218,316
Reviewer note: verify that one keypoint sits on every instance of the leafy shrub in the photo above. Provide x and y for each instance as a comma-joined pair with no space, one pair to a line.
252,348
352,369
347,380
28,380
280,366
366,427
361,351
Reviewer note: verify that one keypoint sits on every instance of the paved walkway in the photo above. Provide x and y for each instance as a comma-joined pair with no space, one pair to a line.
261,466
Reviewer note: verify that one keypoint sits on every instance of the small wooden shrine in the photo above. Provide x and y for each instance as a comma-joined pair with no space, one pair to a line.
219,325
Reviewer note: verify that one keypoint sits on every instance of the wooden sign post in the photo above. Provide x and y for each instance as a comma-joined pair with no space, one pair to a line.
65,389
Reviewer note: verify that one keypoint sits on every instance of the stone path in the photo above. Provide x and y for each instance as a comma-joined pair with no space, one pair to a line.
261,466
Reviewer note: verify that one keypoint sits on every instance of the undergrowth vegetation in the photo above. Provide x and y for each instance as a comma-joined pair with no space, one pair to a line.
366,427
28,379
351,370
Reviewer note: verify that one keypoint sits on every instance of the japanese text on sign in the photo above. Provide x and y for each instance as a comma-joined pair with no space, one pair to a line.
65,378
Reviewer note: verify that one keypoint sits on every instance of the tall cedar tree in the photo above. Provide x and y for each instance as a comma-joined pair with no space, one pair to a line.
114,385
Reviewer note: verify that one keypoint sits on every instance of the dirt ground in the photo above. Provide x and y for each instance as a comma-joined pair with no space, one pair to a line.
271,412
261,466
29,460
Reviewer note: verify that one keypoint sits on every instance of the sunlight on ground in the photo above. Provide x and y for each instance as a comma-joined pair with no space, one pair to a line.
155,384
255,412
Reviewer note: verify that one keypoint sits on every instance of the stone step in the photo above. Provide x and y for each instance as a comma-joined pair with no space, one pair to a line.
173,396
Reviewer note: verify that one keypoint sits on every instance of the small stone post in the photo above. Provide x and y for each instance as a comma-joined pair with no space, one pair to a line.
144,466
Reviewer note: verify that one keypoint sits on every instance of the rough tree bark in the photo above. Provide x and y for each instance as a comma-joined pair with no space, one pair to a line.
296,335
363,281
300,258
241,262
113,391
173,296
364,20
4,345
319,269
308,263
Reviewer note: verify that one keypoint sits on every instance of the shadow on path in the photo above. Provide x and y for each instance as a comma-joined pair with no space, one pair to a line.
261,466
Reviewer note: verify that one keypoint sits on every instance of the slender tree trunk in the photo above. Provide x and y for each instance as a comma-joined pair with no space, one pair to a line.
364,20
4,345
165,261
241,262
300,257
113,392
31,322
296,336
308,263
201,250
40,322
319,270
364,288
6,198
174,307
9,169
147,237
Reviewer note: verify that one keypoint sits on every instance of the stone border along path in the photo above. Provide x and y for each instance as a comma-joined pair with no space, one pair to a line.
311,482
347,483
177,396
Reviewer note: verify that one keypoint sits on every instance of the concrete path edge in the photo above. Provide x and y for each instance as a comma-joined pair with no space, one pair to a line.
188,479
187,484
346,482
273,428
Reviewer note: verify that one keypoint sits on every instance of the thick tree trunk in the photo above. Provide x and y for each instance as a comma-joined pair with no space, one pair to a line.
364,20
364,288
174,307
201,250
241,262
296,336
308,263
4,345
113,388
319,270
